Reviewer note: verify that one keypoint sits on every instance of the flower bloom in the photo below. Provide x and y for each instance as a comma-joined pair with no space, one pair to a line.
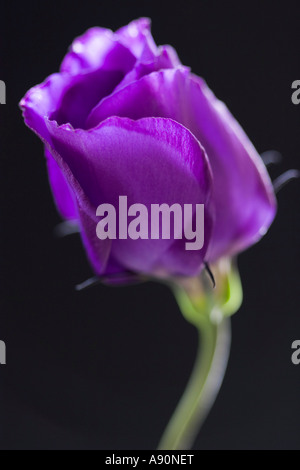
123,117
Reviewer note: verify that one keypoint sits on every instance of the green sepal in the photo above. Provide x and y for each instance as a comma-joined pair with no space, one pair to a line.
199,301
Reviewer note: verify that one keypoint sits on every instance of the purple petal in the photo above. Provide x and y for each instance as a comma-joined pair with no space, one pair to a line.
88,51
83,93
136,36
101,48
243,195
158,94
63,194
149,161
95,49
166,59
42,100
69,99
37,105
107,62
98,253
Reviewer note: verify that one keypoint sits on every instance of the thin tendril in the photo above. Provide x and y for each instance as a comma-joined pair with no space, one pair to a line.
271,157
210,273
284,179
64,229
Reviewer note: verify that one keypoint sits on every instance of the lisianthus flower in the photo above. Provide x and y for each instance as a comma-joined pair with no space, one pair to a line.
125,117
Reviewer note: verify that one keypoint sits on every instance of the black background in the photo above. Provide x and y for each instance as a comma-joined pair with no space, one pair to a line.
105,368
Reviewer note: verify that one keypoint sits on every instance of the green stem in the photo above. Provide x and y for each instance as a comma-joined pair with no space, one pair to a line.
203,386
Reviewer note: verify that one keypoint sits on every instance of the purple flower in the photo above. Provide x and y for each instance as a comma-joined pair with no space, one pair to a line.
124,117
